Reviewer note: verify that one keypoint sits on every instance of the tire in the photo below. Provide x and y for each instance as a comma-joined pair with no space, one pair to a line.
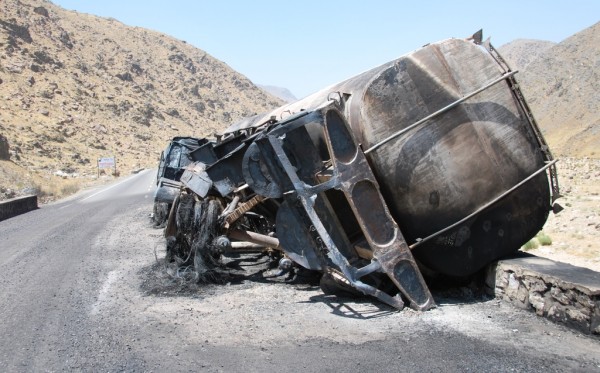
198,208
205,259
185,214
160,214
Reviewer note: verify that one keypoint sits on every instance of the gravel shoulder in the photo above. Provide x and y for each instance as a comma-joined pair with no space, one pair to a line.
251,325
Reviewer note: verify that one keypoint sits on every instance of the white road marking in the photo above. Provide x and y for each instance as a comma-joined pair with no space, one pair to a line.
103,294
104,190
110,187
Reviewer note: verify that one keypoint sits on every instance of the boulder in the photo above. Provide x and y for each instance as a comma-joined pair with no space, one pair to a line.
4,148
41,11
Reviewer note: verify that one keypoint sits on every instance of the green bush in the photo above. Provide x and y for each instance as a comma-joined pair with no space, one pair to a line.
544,239
531,245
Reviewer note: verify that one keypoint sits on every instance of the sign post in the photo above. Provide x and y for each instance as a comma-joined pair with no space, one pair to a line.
107,162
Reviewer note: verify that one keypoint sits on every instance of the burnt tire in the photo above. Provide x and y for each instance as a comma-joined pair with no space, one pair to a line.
198,208
160,214
185,214
205,258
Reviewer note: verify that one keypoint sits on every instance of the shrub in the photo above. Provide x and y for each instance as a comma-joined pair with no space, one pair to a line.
544,239
69,188
531,245
57,188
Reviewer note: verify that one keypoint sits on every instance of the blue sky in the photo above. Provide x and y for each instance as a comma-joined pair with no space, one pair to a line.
307,45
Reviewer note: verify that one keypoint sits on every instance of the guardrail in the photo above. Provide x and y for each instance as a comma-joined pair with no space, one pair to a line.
17,206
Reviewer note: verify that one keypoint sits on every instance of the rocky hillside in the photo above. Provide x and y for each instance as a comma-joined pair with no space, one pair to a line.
521,52
76,87
562,85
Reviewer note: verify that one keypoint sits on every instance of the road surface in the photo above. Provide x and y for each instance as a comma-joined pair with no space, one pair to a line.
82,291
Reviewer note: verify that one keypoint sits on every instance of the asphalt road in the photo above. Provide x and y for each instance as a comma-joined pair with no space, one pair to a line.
82,291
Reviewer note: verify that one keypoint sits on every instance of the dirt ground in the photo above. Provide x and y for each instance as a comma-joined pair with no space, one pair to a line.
265,316
575,231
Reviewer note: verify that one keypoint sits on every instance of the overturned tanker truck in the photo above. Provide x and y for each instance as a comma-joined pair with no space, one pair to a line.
429,164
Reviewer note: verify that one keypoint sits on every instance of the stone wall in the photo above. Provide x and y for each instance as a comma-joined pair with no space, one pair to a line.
17,206
558,291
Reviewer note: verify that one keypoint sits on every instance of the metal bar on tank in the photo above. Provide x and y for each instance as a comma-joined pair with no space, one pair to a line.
442,110
420,241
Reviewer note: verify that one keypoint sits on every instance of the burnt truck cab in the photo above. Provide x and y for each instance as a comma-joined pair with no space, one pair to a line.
176,156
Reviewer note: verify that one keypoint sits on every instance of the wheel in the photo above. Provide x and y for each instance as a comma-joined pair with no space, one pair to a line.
185,214
205,259
160,214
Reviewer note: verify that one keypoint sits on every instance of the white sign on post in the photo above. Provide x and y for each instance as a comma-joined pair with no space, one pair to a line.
106,162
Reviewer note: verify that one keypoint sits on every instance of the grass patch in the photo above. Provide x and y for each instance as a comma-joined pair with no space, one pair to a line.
532,244
56,188
543,239
540,239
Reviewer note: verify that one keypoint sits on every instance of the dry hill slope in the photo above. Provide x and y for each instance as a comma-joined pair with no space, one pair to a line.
563,88
521,52
76,87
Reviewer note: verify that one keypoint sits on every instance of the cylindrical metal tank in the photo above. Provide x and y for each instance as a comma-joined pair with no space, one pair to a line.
445,168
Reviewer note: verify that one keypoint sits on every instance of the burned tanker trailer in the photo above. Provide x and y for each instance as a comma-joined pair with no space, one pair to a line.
431,163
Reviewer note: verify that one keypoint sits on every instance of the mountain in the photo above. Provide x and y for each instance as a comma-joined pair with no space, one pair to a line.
77,87
521,52
280,92
562,86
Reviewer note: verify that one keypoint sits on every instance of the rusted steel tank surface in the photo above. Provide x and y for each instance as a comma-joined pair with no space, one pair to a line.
448,167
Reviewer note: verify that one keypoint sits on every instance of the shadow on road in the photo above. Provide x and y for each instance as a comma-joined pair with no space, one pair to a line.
244,271
354,308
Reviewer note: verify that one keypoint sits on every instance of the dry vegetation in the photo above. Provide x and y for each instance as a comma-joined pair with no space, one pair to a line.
15,181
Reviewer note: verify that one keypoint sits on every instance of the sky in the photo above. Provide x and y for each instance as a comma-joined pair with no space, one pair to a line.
307,45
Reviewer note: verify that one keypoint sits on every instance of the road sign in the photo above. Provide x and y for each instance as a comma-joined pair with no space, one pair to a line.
106,162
